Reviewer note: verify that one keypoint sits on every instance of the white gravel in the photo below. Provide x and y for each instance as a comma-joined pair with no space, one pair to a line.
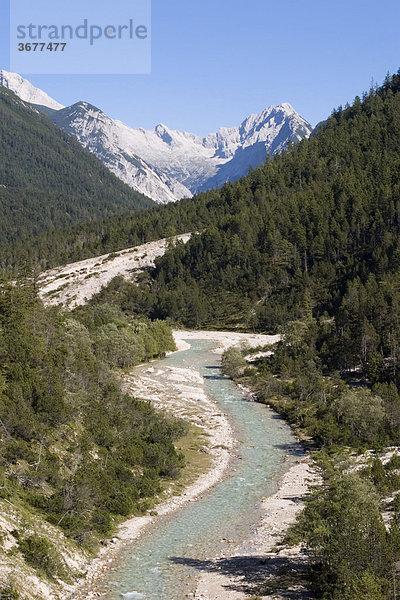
76,283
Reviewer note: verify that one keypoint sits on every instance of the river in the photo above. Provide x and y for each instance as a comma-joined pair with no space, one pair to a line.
164,563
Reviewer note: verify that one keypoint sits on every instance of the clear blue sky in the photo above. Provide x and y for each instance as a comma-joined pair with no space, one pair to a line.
216,61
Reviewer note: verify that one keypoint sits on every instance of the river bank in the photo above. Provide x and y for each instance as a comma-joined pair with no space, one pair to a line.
223,339
247,571
190,402
192,405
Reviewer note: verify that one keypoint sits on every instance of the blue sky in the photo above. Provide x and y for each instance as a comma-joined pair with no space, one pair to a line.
216,61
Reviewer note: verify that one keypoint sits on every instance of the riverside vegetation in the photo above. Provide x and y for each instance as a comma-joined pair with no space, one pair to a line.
353,554
75,451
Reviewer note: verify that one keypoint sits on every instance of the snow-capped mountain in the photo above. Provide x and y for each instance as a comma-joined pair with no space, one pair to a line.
109,140
167,164
199,163
26,91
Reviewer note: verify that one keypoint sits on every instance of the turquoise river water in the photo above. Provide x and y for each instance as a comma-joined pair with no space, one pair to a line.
164,562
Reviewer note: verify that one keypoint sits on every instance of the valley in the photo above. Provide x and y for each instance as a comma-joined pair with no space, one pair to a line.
143,567
204,395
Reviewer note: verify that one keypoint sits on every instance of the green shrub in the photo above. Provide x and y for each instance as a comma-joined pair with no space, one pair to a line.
101,520
233,363
8,592
85,452
394,463
40,554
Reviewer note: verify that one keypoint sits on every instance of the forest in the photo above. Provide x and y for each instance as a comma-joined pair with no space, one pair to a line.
351,427
75,449
48,181
314,231
319,215
308,246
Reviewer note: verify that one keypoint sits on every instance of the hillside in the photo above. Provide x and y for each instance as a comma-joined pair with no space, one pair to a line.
316,229
164,164
168,164
75,284
77,454
310,219
47,181
110,141
303,229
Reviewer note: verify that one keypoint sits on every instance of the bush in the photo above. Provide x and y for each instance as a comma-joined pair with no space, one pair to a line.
40,554
8,592
393,464
233,363
101,520
82,447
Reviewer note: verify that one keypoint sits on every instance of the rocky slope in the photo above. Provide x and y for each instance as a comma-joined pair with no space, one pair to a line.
168,164
26,91
76,283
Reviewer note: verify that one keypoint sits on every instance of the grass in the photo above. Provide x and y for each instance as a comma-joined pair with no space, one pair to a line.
197,462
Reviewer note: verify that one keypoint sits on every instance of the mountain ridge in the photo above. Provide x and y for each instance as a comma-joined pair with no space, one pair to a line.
26,91
47,180
170,164
166,164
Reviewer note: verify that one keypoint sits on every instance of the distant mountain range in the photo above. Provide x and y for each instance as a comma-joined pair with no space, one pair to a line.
166,164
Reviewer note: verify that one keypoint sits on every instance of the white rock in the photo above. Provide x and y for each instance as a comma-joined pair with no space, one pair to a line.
26,91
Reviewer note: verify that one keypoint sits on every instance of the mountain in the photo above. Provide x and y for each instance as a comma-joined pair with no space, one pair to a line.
268,132
47,180
166,164
109,140
26,91
169,165
199,163
314,230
